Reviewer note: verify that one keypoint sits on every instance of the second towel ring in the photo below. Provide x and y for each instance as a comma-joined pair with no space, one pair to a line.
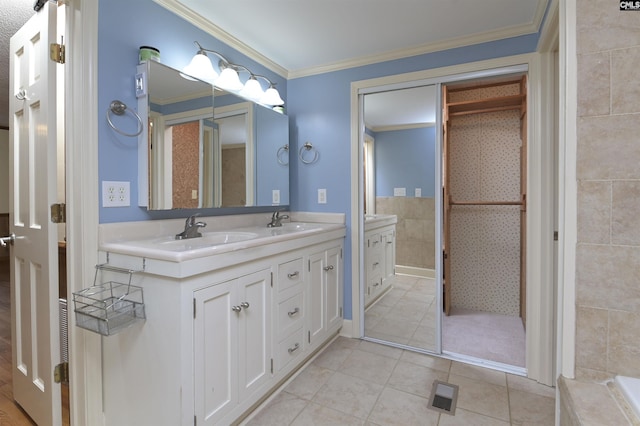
308,146
279,154
119,108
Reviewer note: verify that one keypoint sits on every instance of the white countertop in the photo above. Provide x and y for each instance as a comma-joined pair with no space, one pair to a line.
156,239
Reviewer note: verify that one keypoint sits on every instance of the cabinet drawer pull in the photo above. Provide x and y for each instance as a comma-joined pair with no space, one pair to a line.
244,304
292,275
328,268
294,348
376,264
236,308
292,313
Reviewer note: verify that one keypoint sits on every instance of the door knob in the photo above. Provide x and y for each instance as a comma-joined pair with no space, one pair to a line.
9,239
236,308
244,304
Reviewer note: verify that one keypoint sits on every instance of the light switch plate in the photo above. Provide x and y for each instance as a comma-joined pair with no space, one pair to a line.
399,192
322,196
275,197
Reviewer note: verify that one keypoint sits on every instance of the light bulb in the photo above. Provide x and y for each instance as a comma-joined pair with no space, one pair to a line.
201,68
229,80
271,97
252,90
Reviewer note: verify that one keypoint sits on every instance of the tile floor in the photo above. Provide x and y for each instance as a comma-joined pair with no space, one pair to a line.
354,382
406,314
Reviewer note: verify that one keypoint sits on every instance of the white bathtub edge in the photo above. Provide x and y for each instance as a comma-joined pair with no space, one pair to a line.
630,389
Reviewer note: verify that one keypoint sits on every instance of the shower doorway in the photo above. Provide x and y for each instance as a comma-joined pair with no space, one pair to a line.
411,312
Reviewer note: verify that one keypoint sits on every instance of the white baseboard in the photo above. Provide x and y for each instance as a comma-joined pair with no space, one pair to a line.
417,272
347,330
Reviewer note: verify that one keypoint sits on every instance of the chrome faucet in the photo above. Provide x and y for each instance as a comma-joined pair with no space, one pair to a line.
191,228
276,219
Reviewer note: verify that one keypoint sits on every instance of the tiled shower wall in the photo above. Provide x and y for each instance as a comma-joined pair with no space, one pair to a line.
608,172
415,230
485,240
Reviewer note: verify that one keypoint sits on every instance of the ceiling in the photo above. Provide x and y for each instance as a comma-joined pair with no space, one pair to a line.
304,37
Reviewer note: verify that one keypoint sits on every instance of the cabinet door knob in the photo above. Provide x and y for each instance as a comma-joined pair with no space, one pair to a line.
292,275
328,268
294,348
236,308
292,313
244,304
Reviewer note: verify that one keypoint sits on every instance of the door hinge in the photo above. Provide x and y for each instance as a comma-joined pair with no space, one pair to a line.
341,312
271,279
271,365
194,308
57,51
61,373
59,213
309,336
195,420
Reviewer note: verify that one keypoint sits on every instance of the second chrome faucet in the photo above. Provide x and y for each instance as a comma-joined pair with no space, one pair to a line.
191,228
276,219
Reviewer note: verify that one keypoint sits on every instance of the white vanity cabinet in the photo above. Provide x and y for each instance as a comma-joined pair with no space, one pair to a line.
325,285
231,344
289,312
379,255
222,331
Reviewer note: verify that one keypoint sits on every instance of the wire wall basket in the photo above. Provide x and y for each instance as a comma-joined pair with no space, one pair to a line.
109,307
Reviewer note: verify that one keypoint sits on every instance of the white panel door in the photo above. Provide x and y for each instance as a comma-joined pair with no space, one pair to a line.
34,267
215,328
254,334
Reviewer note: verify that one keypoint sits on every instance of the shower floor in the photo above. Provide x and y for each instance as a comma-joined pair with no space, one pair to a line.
492,337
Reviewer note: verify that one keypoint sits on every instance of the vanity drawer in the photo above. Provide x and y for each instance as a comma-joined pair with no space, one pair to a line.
289,349
289,274
290,313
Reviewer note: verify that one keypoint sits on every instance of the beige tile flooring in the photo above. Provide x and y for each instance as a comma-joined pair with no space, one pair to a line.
354,382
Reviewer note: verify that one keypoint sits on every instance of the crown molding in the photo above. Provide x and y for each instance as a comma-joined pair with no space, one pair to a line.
419,50
204,24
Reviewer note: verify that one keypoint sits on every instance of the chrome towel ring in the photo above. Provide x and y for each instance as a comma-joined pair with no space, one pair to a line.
119,108
308,146
279,155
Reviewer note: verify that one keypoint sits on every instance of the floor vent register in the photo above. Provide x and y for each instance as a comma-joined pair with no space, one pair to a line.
443,397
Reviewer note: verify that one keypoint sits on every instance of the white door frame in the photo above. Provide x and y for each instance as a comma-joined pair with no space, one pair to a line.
81,99
540,296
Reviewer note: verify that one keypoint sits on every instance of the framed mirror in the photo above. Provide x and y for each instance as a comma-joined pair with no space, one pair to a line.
206,148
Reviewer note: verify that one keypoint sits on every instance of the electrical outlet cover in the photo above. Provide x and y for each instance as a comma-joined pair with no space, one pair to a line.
116,194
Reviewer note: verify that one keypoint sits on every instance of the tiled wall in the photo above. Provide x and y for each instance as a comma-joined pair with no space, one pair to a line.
485,240
608,172
415,230
234,178
186,164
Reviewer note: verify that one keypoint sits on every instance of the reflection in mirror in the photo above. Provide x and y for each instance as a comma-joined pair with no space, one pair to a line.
399,228
202,157
180,117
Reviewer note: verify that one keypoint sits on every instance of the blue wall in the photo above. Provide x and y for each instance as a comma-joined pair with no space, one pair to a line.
406,159
318,106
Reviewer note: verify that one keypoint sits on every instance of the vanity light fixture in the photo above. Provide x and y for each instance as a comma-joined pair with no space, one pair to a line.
229,78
